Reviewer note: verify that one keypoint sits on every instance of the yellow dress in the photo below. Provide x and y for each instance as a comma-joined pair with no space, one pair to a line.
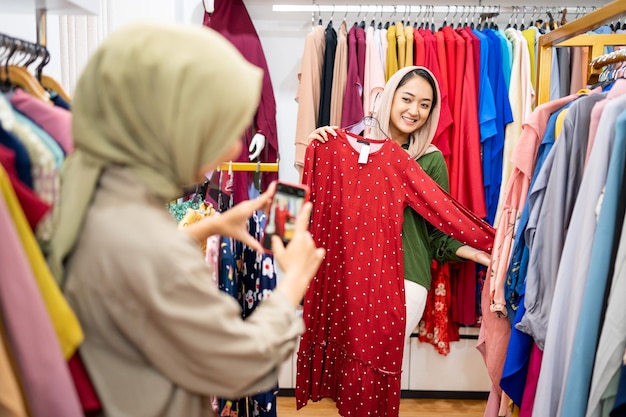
66,325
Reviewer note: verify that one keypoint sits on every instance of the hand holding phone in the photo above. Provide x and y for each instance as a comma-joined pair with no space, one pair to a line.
286,204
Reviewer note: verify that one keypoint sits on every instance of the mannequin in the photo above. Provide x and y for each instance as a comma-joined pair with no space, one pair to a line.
257,144
209,5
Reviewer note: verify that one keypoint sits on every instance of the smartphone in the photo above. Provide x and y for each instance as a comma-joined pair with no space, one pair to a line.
281,219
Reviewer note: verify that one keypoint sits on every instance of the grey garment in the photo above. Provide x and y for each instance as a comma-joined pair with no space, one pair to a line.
160,337
555,77
551,203
612,343
607,399
565,72
573,269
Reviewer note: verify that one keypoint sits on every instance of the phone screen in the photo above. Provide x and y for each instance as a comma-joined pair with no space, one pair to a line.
286,204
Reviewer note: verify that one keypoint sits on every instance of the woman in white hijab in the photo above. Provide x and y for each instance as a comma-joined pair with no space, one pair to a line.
408,113
156,107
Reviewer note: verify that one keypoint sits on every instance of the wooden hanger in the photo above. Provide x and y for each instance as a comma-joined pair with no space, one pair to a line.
51,84
20,77
610,58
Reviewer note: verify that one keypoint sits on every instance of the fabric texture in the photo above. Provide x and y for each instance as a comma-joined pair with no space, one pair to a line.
340,75
53,119
12,401
328,69
601,264
309,89
34,208
31,337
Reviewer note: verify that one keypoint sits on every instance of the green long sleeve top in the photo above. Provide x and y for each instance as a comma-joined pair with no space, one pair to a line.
421,241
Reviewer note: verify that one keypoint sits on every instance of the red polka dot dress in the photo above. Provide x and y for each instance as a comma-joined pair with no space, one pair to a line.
354,310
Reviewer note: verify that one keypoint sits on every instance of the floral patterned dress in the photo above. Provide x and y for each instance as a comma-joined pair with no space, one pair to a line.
250,278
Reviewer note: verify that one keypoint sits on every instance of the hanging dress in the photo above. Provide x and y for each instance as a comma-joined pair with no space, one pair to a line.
354,313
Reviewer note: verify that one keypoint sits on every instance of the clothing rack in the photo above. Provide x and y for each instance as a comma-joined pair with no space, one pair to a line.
250,166
406,9
608,59
572,34
25,54
425,12
607,65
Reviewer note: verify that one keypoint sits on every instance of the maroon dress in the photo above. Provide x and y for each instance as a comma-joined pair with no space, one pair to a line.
354,310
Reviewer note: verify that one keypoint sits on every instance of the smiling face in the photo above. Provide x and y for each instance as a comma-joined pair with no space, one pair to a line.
410,108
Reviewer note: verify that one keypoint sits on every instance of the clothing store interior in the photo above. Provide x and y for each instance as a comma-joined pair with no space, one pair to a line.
415,275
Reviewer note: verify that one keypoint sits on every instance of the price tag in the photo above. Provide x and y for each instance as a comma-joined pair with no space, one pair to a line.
364,153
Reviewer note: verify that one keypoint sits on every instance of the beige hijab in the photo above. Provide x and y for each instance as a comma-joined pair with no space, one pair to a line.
420,141
162,100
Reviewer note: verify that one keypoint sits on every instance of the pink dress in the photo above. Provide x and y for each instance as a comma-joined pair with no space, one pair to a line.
354,311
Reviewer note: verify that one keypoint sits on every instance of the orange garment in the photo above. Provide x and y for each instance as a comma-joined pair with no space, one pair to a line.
12,403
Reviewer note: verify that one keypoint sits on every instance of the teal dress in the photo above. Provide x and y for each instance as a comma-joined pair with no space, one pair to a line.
421,241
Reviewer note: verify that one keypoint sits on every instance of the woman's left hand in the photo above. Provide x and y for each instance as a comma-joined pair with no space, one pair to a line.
482,258
474,254
234,222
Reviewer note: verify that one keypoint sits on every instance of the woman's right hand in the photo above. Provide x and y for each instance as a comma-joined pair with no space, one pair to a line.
321,133
299,260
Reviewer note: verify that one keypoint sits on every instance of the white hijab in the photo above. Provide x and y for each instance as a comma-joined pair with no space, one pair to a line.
420,141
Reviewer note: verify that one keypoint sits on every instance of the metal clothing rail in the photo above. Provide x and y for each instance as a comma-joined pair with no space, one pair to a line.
250,166
402,9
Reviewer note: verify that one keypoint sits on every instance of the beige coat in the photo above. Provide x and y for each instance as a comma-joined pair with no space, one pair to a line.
160,338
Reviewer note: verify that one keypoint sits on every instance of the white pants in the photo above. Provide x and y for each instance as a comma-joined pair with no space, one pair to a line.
415,297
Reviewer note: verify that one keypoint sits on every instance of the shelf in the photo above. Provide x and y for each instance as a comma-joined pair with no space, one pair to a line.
61,7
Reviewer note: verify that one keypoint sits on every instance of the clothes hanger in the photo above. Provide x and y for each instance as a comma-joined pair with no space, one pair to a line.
445,19
362,23
532,17
406,18
53,85
432,20
356,19
369,121
459,24
492,23
46,81
390,21
373,21
18,76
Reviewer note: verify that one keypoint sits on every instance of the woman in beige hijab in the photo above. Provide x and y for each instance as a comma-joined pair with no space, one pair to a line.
408,113
156,107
